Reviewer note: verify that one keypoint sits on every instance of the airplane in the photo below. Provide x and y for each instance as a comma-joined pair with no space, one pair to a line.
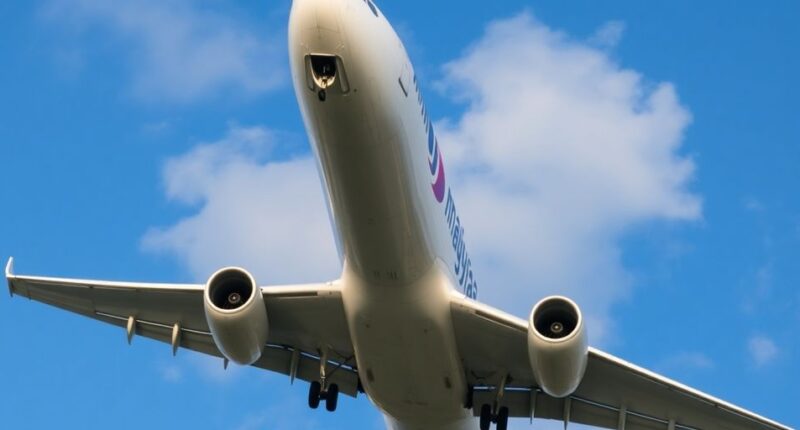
402,324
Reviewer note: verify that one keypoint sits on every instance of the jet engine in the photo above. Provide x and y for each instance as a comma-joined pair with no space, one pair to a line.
236,314
557,345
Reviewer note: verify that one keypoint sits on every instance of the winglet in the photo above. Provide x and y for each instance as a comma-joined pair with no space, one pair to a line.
10,275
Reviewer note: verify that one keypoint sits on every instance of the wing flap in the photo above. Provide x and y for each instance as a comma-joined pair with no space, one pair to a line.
487,362
308,317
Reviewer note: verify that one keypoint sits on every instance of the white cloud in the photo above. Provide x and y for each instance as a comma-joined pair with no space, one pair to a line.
156,128
762,350
197,365
170,372
287,413
753,204
268,217
559,152
762,281
609,35
177,50
254,421
686,360
213,368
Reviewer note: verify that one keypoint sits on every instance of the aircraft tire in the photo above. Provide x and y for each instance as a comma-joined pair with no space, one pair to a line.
332,397
486,417
502,418
314,394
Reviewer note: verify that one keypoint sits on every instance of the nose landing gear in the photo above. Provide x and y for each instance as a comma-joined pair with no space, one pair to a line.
323,70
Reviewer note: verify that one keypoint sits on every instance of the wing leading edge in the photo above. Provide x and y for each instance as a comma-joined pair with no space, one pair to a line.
302,319
613,394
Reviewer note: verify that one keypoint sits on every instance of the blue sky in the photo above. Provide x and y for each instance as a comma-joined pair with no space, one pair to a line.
659,187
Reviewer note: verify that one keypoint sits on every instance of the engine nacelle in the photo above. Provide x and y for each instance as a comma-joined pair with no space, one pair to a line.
557,345
236,314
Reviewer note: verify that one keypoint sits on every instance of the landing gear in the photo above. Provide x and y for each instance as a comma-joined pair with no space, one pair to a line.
321,389
493,413
487,417
330,395
323,69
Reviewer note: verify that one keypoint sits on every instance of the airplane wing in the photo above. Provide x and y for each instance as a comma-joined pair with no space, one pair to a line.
613,394
302,319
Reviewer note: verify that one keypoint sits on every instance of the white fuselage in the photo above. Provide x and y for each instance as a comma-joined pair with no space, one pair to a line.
395,219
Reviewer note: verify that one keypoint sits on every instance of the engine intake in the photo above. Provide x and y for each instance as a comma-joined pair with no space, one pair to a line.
557,345
236,314
230,288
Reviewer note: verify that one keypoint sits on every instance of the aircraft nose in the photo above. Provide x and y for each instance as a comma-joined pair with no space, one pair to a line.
317,46
315,15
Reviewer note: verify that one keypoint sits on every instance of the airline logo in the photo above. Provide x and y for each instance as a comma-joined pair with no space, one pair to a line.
436,165
463,265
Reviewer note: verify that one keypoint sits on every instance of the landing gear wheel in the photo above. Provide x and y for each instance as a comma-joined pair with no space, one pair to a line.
314,394
470,395
486,417
332,397
502,418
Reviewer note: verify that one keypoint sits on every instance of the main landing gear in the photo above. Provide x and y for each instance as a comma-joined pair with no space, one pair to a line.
491,413
316,394
320,390
487,417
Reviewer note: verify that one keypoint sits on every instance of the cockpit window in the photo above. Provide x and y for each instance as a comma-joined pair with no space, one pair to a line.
372,7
